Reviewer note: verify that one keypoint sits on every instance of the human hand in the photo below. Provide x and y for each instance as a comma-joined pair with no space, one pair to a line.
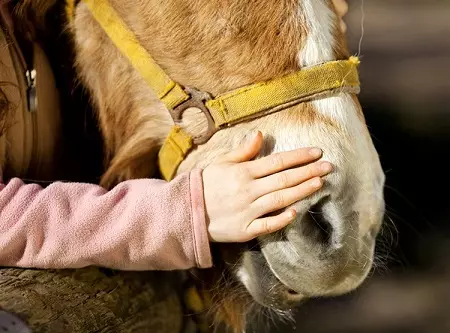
341,9
239,192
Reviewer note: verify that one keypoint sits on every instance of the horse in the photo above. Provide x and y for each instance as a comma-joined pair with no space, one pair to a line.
227,48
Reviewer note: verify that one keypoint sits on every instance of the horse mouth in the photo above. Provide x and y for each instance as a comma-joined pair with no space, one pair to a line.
269,290
263,284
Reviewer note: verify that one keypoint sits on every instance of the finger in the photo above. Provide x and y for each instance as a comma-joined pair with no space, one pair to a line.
290,178
268,225
282,161
246,151
343,26
341,7
283,198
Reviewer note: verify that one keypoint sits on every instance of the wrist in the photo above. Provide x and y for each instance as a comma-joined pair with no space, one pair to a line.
201,236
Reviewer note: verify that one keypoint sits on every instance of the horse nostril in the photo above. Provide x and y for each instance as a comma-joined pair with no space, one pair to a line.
315,224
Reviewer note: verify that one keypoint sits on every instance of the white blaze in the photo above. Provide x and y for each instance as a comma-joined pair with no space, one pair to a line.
319,19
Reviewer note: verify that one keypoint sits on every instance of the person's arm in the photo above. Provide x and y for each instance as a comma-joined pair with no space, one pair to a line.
144,224
151,224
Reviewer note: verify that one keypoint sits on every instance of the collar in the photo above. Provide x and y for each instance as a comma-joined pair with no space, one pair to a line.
248,102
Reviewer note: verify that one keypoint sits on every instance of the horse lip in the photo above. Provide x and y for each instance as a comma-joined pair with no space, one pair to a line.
286,289
287,286
266,289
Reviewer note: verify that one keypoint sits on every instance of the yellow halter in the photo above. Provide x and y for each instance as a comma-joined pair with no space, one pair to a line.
252,101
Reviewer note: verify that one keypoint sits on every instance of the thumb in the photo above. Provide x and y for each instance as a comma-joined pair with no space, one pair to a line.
246,151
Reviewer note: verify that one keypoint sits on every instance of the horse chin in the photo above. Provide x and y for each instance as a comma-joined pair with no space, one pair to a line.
268,290
263,285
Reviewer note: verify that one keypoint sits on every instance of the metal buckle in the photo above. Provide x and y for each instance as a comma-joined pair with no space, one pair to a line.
197,100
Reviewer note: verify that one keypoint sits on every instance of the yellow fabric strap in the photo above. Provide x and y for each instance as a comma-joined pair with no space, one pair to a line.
242,104
70,9
173,152
271,96
264,98
169,92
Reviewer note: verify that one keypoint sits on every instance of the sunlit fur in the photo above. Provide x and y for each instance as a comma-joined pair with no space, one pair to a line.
216,46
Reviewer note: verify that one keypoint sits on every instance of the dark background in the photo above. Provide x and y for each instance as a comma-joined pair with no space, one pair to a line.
405,74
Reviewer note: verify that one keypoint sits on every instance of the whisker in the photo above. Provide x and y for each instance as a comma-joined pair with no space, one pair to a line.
363,16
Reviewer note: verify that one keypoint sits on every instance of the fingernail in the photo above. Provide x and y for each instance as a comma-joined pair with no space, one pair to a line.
326,167
315,152
292,214
316,183
252,136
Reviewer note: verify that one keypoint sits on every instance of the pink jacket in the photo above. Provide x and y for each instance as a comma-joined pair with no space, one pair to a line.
143,224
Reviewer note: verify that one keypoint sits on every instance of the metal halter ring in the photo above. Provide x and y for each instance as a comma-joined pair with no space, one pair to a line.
197,100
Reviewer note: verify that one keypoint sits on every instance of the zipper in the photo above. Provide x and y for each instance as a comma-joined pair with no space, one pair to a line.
30,75
32,103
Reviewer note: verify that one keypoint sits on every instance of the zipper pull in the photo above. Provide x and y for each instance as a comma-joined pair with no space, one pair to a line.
31,91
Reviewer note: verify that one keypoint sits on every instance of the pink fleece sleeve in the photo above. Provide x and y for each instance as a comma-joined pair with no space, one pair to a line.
144,224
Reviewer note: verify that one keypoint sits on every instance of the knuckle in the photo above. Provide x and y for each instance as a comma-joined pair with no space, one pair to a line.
265,227
247,194
241,172
277,161
239,175
311,170
278,200
315,170
283,180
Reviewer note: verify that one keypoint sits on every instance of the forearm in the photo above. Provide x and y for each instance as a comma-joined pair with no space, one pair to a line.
139,225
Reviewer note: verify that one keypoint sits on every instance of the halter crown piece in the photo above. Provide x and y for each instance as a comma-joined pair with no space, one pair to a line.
248,102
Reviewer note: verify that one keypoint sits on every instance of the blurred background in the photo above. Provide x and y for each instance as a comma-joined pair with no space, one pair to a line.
405,74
